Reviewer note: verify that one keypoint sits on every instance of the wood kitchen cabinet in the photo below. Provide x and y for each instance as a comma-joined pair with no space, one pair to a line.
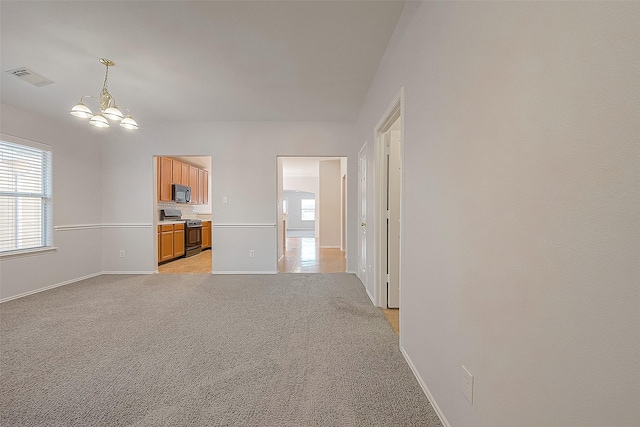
176,175
193,183
206,234
170,241
173,171
205,188
184,177
166,243
200,198
178,240
165,177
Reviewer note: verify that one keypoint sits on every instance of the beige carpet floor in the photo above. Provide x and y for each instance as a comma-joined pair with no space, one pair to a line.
205,350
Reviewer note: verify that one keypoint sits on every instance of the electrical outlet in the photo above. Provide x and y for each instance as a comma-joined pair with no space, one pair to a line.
252,253
467,384
121,253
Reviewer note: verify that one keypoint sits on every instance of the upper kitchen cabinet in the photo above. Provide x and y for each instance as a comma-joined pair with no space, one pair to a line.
193,183
201,179
165,177
205,188
184,180
176,171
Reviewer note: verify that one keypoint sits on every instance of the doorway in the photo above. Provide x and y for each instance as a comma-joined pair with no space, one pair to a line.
177,219
389,140
311,214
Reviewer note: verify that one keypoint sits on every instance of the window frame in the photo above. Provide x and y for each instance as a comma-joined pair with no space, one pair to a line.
303,210
45,196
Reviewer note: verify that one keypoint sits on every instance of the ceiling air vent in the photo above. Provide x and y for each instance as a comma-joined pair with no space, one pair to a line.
30,77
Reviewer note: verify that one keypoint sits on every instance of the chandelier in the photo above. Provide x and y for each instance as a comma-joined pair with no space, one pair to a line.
108,108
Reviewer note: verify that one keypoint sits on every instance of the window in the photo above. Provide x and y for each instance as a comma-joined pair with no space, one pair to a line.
307,209
25,197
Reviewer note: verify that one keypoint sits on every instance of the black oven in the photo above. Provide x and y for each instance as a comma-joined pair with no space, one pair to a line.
193,237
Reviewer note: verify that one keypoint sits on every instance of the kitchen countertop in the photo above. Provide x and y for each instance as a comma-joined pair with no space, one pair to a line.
170,222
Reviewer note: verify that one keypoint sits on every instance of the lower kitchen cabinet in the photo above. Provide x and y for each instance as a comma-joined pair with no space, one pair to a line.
206,234
178,240
170,241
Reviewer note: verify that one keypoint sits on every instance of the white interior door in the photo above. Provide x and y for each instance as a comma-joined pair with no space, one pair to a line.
393,218
362,214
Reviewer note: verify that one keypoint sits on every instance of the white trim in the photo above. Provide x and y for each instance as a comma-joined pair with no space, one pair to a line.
244,272
128,272
27,142
46,288
330,247
396,109
28,252
425,389
373,301
98,226
76,227
147,225
243,225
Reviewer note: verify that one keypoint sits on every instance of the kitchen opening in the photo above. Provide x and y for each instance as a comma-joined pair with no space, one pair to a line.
182,210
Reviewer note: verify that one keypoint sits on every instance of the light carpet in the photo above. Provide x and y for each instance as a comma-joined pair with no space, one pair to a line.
205,350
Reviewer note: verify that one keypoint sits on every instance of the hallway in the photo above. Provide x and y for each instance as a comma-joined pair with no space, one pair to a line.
303,255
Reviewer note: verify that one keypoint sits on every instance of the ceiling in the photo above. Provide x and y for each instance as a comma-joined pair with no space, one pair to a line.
198,60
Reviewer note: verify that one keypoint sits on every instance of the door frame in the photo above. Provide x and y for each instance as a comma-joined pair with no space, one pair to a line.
362,270
393,112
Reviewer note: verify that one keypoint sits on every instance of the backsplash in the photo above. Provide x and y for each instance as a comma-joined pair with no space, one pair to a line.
188,211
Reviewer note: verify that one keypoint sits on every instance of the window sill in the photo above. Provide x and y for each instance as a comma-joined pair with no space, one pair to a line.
27,252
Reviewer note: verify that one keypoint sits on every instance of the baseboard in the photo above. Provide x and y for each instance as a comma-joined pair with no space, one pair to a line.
46,288
244,272
373,301
128,272
425,389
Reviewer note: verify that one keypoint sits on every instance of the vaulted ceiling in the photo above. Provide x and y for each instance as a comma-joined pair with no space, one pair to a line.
198,60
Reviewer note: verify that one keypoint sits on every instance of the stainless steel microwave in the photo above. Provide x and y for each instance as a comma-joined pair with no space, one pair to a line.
180,193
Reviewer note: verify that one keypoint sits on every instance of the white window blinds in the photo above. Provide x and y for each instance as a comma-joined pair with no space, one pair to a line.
25,197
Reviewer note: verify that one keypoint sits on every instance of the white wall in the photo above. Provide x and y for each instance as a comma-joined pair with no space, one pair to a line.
243,169
301,183
329,204
103,181
77,182
521,228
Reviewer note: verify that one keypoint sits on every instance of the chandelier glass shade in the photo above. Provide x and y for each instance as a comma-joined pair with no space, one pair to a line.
108,108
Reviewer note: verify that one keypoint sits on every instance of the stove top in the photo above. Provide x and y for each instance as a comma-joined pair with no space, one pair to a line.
194,222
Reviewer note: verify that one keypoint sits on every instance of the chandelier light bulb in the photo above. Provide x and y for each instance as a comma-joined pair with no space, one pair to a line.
129,123
99,121
82,111
112,113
